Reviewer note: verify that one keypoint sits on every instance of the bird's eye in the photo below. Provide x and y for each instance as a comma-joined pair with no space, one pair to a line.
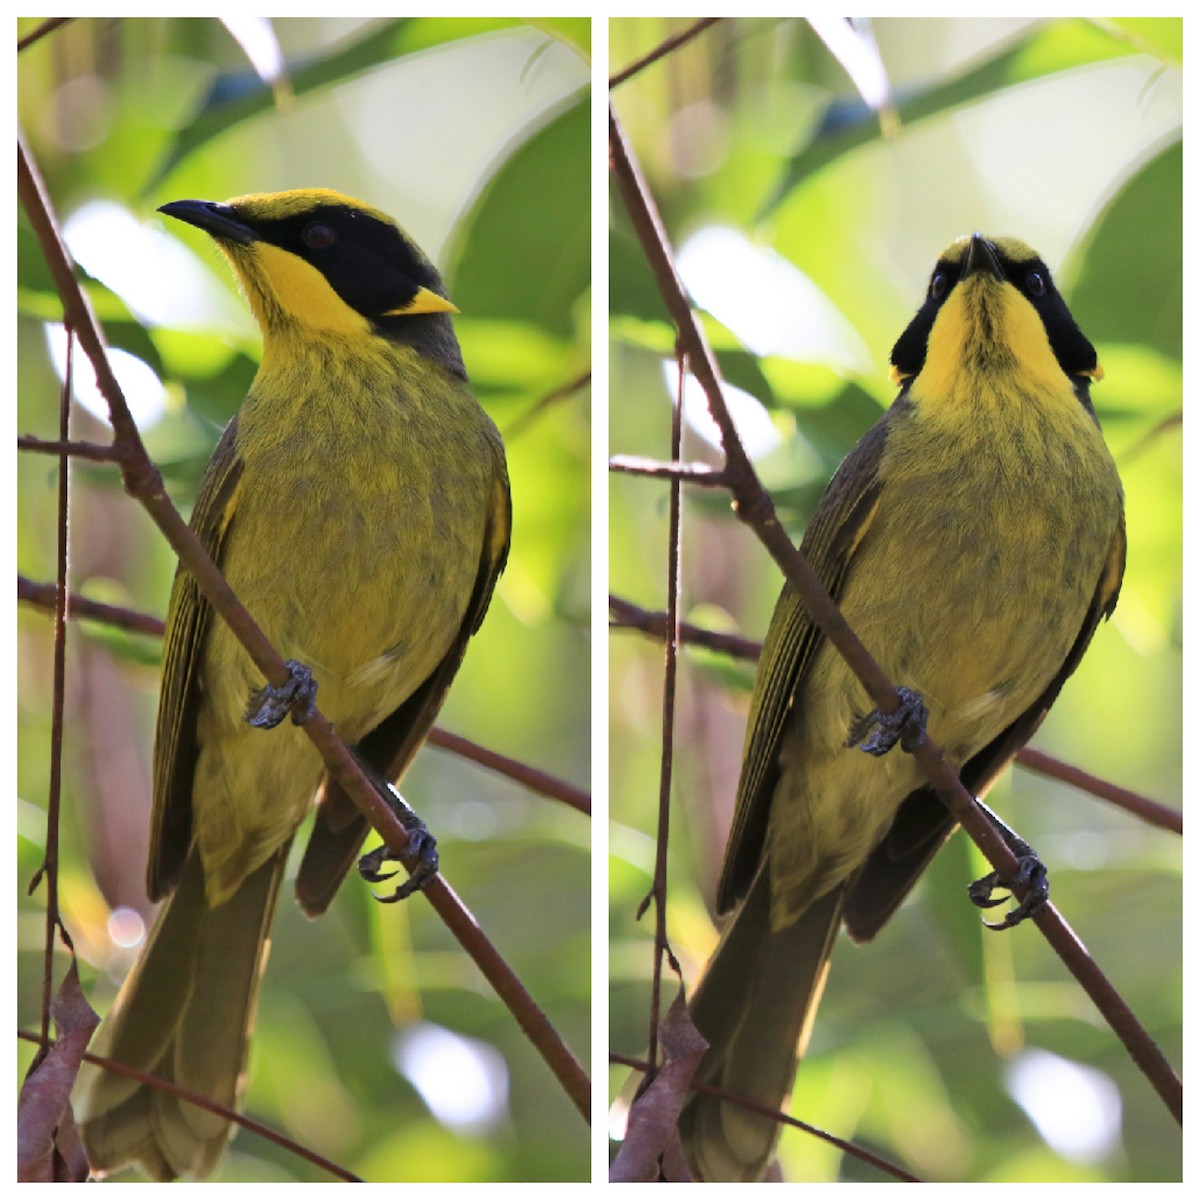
317,235
938,285
1035,283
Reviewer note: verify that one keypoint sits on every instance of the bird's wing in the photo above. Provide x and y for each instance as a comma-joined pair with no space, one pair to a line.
340,827
188,616
843,515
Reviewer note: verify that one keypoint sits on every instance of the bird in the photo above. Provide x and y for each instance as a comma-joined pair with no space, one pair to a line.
973,539
358,504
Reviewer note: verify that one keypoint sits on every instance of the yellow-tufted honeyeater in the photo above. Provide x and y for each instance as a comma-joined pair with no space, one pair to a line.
358,504
973,538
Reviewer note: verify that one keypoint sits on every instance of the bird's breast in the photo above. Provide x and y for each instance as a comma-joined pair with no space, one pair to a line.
359,533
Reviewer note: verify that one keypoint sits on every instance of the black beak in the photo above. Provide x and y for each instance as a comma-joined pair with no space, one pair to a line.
215,219
982,256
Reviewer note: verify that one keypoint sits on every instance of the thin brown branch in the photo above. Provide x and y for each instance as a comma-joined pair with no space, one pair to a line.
565,392
42,595
49,868
702,473
663,48
763,1110
35,35
144,483
228,1114
1168,423
541,782
667,758
624,615
1151,811
96,451
755,507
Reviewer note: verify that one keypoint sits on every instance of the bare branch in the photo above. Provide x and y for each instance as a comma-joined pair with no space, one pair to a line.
1151,811
42,595
49,868
658,891
630,616
663,48
565,392
96,451
701,473
36,35
541,782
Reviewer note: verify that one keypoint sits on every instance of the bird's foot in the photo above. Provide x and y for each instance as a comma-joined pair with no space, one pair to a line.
878,732
298,696
420,857
1031,874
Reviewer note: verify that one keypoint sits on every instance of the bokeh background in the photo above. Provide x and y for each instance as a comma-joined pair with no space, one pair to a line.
377,1042
806,222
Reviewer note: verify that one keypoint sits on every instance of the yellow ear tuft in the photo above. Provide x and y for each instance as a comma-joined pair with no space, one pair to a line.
425,301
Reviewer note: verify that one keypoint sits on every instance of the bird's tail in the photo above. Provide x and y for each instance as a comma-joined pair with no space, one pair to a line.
183,1014
755,1007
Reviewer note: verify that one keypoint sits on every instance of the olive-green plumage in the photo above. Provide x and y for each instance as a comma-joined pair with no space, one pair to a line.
973,539
358,505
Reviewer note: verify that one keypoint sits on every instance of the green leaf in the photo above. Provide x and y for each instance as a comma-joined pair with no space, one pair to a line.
1160,37
238,95
524,250
1043,50
1133,250
575,32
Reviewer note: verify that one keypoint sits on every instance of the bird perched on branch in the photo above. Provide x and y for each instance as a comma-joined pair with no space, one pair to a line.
358,504
973,539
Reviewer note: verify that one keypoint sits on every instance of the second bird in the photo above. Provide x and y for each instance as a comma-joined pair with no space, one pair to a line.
358,504
973,538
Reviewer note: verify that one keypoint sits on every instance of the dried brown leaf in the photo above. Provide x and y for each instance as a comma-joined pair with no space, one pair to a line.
651,1149
48,1146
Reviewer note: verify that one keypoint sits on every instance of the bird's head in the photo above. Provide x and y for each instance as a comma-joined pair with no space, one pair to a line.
991,306
316,263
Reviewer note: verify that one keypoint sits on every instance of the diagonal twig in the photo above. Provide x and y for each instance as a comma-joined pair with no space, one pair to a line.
36,34
664,47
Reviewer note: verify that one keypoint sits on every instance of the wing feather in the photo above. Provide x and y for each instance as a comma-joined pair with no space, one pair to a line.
843,516
188,615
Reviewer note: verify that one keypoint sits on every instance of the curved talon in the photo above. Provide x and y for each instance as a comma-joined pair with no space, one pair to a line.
369,864
1031,874
906,725
298,696
421,858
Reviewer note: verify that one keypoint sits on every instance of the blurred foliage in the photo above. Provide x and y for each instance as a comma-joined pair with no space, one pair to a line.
474,134
1066,134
